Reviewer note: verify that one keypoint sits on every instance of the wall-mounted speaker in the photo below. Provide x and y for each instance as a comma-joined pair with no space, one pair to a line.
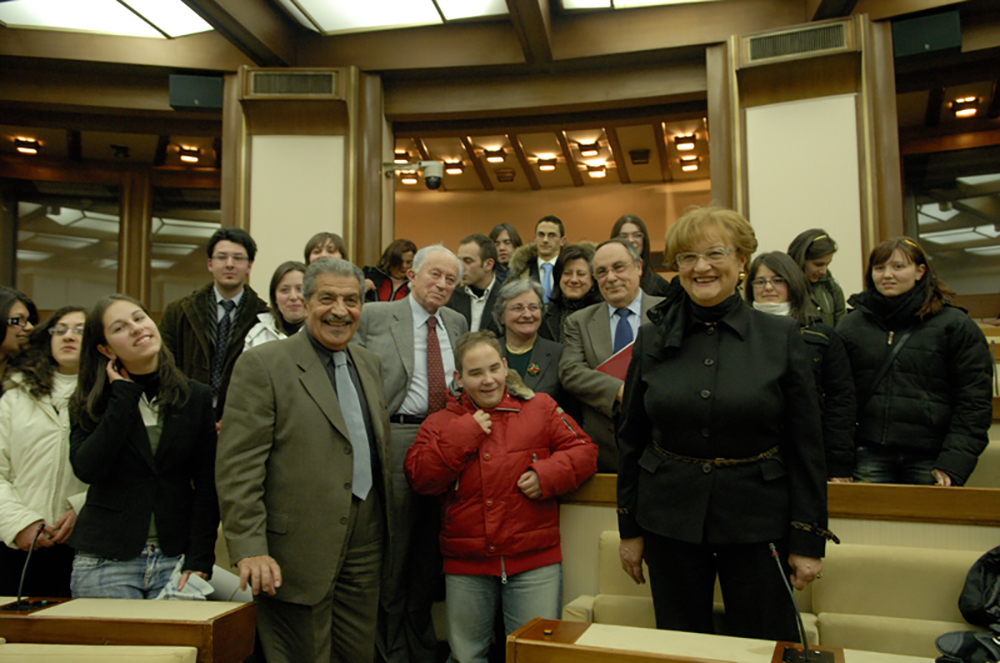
927,34
195,92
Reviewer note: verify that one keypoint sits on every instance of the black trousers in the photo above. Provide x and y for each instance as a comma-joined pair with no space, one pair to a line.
48,573
682,580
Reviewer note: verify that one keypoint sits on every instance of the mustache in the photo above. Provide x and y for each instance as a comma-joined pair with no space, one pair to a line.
337,319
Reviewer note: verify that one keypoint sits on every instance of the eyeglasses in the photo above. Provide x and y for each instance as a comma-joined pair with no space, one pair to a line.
760,284
238,258
521,308
713,256
61,331
618,268
17,322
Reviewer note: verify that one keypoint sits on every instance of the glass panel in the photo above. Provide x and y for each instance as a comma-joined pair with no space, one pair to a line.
953,207
67,242
183,220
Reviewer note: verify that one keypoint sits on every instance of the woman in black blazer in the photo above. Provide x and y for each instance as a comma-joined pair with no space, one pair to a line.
721,451
143,436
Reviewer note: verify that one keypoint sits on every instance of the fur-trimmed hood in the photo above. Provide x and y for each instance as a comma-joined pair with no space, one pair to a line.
517,267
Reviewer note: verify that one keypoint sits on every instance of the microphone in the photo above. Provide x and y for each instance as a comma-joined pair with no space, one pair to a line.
24,572
790,655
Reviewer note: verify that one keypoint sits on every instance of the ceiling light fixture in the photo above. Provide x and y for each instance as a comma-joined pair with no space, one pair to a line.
639,157
965,106
684,143
547,165
408,176
401,156
689,164
597,172
504,174
454,167
26,145
589,149
495,156
189,154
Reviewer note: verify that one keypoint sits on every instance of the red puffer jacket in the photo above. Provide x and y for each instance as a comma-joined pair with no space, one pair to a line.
488,526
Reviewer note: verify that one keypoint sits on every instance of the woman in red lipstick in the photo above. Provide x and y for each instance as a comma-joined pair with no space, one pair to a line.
143,437
40,496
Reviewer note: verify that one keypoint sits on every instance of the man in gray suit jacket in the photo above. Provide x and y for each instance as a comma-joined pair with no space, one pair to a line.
302,482
418,361
593,336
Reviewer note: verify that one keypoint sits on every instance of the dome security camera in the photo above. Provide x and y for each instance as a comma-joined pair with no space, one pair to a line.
433,171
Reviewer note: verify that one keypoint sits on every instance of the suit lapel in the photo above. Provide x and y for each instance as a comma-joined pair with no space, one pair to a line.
402,334
599,327
317,383
542,357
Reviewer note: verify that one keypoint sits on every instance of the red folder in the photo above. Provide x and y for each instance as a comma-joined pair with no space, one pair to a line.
617,365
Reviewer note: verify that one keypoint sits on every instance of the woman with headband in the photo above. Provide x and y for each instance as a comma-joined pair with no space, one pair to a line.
813,252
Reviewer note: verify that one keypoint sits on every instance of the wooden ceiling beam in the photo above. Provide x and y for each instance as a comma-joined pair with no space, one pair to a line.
477,163
993,109
617,154
567,151
532,23
160,155
257,28
935,98
74,145
661,151
833,9
422,149
522,158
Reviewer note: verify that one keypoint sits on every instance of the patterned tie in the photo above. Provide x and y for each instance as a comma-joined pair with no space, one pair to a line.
221,345
547,281
350,407
623,332
436,390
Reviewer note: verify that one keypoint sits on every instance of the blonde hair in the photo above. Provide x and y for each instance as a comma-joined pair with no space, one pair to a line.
696,224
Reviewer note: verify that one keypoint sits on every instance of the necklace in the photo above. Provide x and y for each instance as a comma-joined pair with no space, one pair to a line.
519,352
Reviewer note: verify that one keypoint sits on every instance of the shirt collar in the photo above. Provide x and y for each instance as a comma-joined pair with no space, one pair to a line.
219,298
635,307
420,314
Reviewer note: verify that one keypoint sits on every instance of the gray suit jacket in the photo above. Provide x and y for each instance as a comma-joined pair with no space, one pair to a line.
386,329
283,466
587,346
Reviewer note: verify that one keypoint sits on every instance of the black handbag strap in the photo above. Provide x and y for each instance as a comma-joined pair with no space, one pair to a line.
900,342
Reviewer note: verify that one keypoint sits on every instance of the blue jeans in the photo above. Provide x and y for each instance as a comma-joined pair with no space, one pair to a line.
878,464
141,577
471,603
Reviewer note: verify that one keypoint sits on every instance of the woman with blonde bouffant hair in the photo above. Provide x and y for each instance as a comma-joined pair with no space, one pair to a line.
721,453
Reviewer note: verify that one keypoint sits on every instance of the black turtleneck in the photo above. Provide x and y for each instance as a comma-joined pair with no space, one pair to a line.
150,383
710,314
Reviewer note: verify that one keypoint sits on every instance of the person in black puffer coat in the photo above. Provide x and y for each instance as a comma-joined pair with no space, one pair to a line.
776,285
924,418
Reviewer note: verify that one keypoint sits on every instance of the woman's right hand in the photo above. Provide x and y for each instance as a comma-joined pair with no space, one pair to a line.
115,373
27,535
630,552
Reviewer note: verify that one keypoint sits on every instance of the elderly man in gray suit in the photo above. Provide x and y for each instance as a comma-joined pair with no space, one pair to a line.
301,476
415,338
596,333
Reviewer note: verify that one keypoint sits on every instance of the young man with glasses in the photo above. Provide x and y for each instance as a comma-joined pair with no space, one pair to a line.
596,333
218,315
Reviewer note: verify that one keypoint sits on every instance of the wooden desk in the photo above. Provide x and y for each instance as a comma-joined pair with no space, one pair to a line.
578,642
223,632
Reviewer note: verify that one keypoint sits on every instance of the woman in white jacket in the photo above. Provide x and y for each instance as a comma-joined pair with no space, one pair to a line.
39,494
288,308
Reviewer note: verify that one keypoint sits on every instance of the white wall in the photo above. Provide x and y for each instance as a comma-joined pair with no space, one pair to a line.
803,172
296,191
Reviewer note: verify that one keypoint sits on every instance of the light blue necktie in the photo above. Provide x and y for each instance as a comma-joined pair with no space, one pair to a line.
547,280
350,407
623,332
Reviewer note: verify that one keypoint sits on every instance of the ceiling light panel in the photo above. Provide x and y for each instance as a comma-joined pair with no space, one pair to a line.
172,16
336,16
100,16
586,4
628,4
454,10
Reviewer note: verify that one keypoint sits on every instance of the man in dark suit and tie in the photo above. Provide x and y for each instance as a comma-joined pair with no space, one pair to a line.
414,337
477,296
301,476
597,332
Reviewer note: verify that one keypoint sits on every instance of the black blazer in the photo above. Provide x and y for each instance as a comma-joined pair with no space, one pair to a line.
731,390
461,302
128,484
545,355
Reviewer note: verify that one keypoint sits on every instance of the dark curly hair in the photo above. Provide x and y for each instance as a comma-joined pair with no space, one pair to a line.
35,362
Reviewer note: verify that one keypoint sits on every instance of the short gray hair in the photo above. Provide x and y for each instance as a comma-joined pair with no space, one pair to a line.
336,266
421,256
511,289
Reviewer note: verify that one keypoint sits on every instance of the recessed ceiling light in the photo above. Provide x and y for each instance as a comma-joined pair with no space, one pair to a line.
189,154
454,167
965,106
495,156
408,176
597,172
589,149
26,145
401,156
684,143
547,165
689,164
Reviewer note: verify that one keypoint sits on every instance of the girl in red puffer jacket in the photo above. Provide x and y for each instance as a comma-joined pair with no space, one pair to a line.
498,455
